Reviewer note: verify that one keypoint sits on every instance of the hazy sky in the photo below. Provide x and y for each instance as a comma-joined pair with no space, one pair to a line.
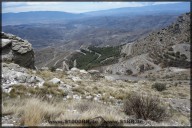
74,7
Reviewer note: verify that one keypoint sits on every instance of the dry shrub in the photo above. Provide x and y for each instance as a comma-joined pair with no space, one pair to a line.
144,107
159,86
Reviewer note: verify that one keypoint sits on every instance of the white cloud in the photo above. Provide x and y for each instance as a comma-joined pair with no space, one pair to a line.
42,3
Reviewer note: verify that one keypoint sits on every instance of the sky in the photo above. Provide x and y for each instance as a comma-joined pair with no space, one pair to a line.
72,7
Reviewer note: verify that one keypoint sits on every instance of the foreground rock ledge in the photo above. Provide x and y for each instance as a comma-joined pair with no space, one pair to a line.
16,50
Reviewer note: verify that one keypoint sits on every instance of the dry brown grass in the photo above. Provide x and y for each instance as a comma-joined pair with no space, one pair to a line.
34,111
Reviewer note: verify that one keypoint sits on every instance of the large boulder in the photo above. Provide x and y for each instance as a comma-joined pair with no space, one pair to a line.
16,50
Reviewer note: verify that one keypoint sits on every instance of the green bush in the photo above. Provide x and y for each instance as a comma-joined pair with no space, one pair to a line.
159,86
144,107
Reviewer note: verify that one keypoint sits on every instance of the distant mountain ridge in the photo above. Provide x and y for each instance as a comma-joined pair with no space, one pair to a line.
152,9
58,16
36,17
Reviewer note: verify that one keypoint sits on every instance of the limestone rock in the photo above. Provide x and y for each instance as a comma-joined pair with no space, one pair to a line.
14,74
55,81
83,72
17,50
76,79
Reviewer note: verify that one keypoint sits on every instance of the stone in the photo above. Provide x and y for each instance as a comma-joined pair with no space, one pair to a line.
14,74
55,81
16,50
59,70
75,69
76,79
83,72
76,97
7,125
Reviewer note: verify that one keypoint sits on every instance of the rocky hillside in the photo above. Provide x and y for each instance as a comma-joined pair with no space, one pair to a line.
32,97
16,50
168,47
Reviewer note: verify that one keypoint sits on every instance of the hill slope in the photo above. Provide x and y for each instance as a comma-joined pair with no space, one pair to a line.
169,47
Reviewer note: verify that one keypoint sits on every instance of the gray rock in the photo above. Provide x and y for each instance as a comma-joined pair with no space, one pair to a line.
14,74
17,50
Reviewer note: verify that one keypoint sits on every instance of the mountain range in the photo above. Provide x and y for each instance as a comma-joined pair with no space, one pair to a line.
61,33
59,17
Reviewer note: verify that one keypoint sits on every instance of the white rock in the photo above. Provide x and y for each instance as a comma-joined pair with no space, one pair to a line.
83,71
75,69
76,79
7,125
55,81
59,70
88,97
111,97
68,96
41,84
95,98
76,97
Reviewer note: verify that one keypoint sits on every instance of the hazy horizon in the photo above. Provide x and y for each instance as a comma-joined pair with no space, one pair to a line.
72,7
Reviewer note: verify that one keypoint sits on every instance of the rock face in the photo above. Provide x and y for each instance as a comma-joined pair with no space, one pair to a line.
16,50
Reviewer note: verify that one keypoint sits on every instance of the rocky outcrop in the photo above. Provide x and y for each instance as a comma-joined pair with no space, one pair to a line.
13,74
16,50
